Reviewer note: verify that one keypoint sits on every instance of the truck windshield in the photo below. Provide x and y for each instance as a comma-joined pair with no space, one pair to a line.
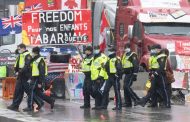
167,28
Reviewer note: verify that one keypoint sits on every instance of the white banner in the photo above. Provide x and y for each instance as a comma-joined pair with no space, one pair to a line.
160,4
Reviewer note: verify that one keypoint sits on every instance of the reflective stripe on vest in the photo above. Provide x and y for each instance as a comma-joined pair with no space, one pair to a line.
162,56
35,69
16,61
3,71
96,66
125,61
22,59
85,65
153,63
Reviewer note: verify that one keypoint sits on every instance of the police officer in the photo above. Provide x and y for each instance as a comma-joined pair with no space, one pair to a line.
39,71
130,66
158,78
114,69
22,70
98,75
152,65
87,87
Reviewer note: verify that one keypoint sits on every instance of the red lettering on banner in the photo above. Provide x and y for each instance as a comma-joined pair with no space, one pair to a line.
182,47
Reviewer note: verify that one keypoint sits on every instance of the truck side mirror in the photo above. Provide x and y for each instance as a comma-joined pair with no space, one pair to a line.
130,31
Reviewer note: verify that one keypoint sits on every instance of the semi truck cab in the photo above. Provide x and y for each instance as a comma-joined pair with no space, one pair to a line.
147,22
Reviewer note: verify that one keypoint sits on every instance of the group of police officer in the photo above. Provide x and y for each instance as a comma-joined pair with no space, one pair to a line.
102,72
30,71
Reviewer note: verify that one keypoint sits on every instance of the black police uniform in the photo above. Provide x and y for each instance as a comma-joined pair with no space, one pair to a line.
130,76
158,84
96,86
21,84
87,86
34,89
113,80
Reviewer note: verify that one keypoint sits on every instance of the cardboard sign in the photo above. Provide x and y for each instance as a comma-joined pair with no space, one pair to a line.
58,27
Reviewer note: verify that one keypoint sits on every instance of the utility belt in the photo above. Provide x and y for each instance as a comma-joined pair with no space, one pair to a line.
128,71
87,74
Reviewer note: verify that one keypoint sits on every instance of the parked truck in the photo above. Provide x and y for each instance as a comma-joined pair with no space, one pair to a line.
143,23
146,22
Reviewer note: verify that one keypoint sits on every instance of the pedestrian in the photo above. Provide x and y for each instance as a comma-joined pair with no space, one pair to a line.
87,86
130,67
114,69
22,71
38,73
98,75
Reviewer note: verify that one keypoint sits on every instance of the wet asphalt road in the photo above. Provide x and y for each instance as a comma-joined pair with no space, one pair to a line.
66,111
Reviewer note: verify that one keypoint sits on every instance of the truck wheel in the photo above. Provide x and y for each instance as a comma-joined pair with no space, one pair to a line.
58,88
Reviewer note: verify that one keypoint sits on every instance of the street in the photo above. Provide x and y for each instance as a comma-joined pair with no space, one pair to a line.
66,111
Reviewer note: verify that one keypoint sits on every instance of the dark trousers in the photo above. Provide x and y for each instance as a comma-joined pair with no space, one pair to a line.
158,83
40,93
115,82
129,94
34,91
87,89
163,86
97,94
22,86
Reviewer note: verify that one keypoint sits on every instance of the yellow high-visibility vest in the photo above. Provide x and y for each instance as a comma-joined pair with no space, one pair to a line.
153,61
85,64
21,59
125,61
96,67
35,69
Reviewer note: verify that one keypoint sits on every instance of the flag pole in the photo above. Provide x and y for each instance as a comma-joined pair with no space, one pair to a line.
109,24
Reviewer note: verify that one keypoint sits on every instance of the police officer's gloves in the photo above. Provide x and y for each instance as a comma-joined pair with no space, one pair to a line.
134,77
116,76
16,74
39,85
156,73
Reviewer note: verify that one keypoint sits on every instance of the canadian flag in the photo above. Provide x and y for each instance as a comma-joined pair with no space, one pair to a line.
74,4
103,25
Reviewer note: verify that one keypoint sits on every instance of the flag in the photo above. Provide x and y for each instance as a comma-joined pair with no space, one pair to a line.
74,4
42,4
51,3
35,7
11,25
103,25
